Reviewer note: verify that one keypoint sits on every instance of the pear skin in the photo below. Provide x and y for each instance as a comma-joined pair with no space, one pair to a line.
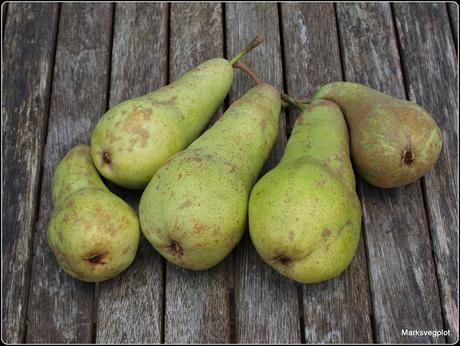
194,209
394,142
134,138
305,215
93,234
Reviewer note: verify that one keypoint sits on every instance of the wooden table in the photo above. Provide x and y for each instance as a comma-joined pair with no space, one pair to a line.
64,65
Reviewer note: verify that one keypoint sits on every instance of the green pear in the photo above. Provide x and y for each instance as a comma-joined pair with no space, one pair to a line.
134,138
93,233
305,215
394,142
194,210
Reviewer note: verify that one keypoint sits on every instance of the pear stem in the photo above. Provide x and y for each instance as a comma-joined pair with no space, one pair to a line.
286,99
248,71
254,43
292,101
305,102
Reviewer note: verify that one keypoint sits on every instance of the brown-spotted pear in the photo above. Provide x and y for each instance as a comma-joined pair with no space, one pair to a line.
133,139
93,233
305,215
394,142
194,209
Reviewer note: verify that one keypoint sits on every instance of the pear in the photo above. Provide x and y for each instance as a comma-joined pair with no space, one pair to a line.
305,215
134,138
194,209
394,142
93,233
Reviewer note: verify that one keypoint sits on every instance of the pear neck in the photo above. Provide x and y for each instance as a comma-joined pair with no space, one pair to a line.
319,132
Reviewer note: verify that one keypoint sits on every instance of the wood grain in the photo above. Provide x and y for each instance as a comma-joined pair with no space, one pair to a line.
336,311
431,74
60,307
401,268
130,306
197,303
28,52
266,303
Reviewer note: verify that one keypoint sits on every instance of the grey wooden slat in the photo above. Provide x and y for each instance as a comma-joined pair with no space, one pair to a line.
452,7
267,304
431,74
336,311
59,306
197,303
401,268
130,306
28,52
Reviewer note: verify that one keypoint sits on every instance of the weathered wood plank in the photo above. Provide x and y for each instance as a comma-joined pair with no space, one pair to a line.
28,52
130,306
267,304
311,48
197,303
60,307
401,268
431,74
452,7
341,309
